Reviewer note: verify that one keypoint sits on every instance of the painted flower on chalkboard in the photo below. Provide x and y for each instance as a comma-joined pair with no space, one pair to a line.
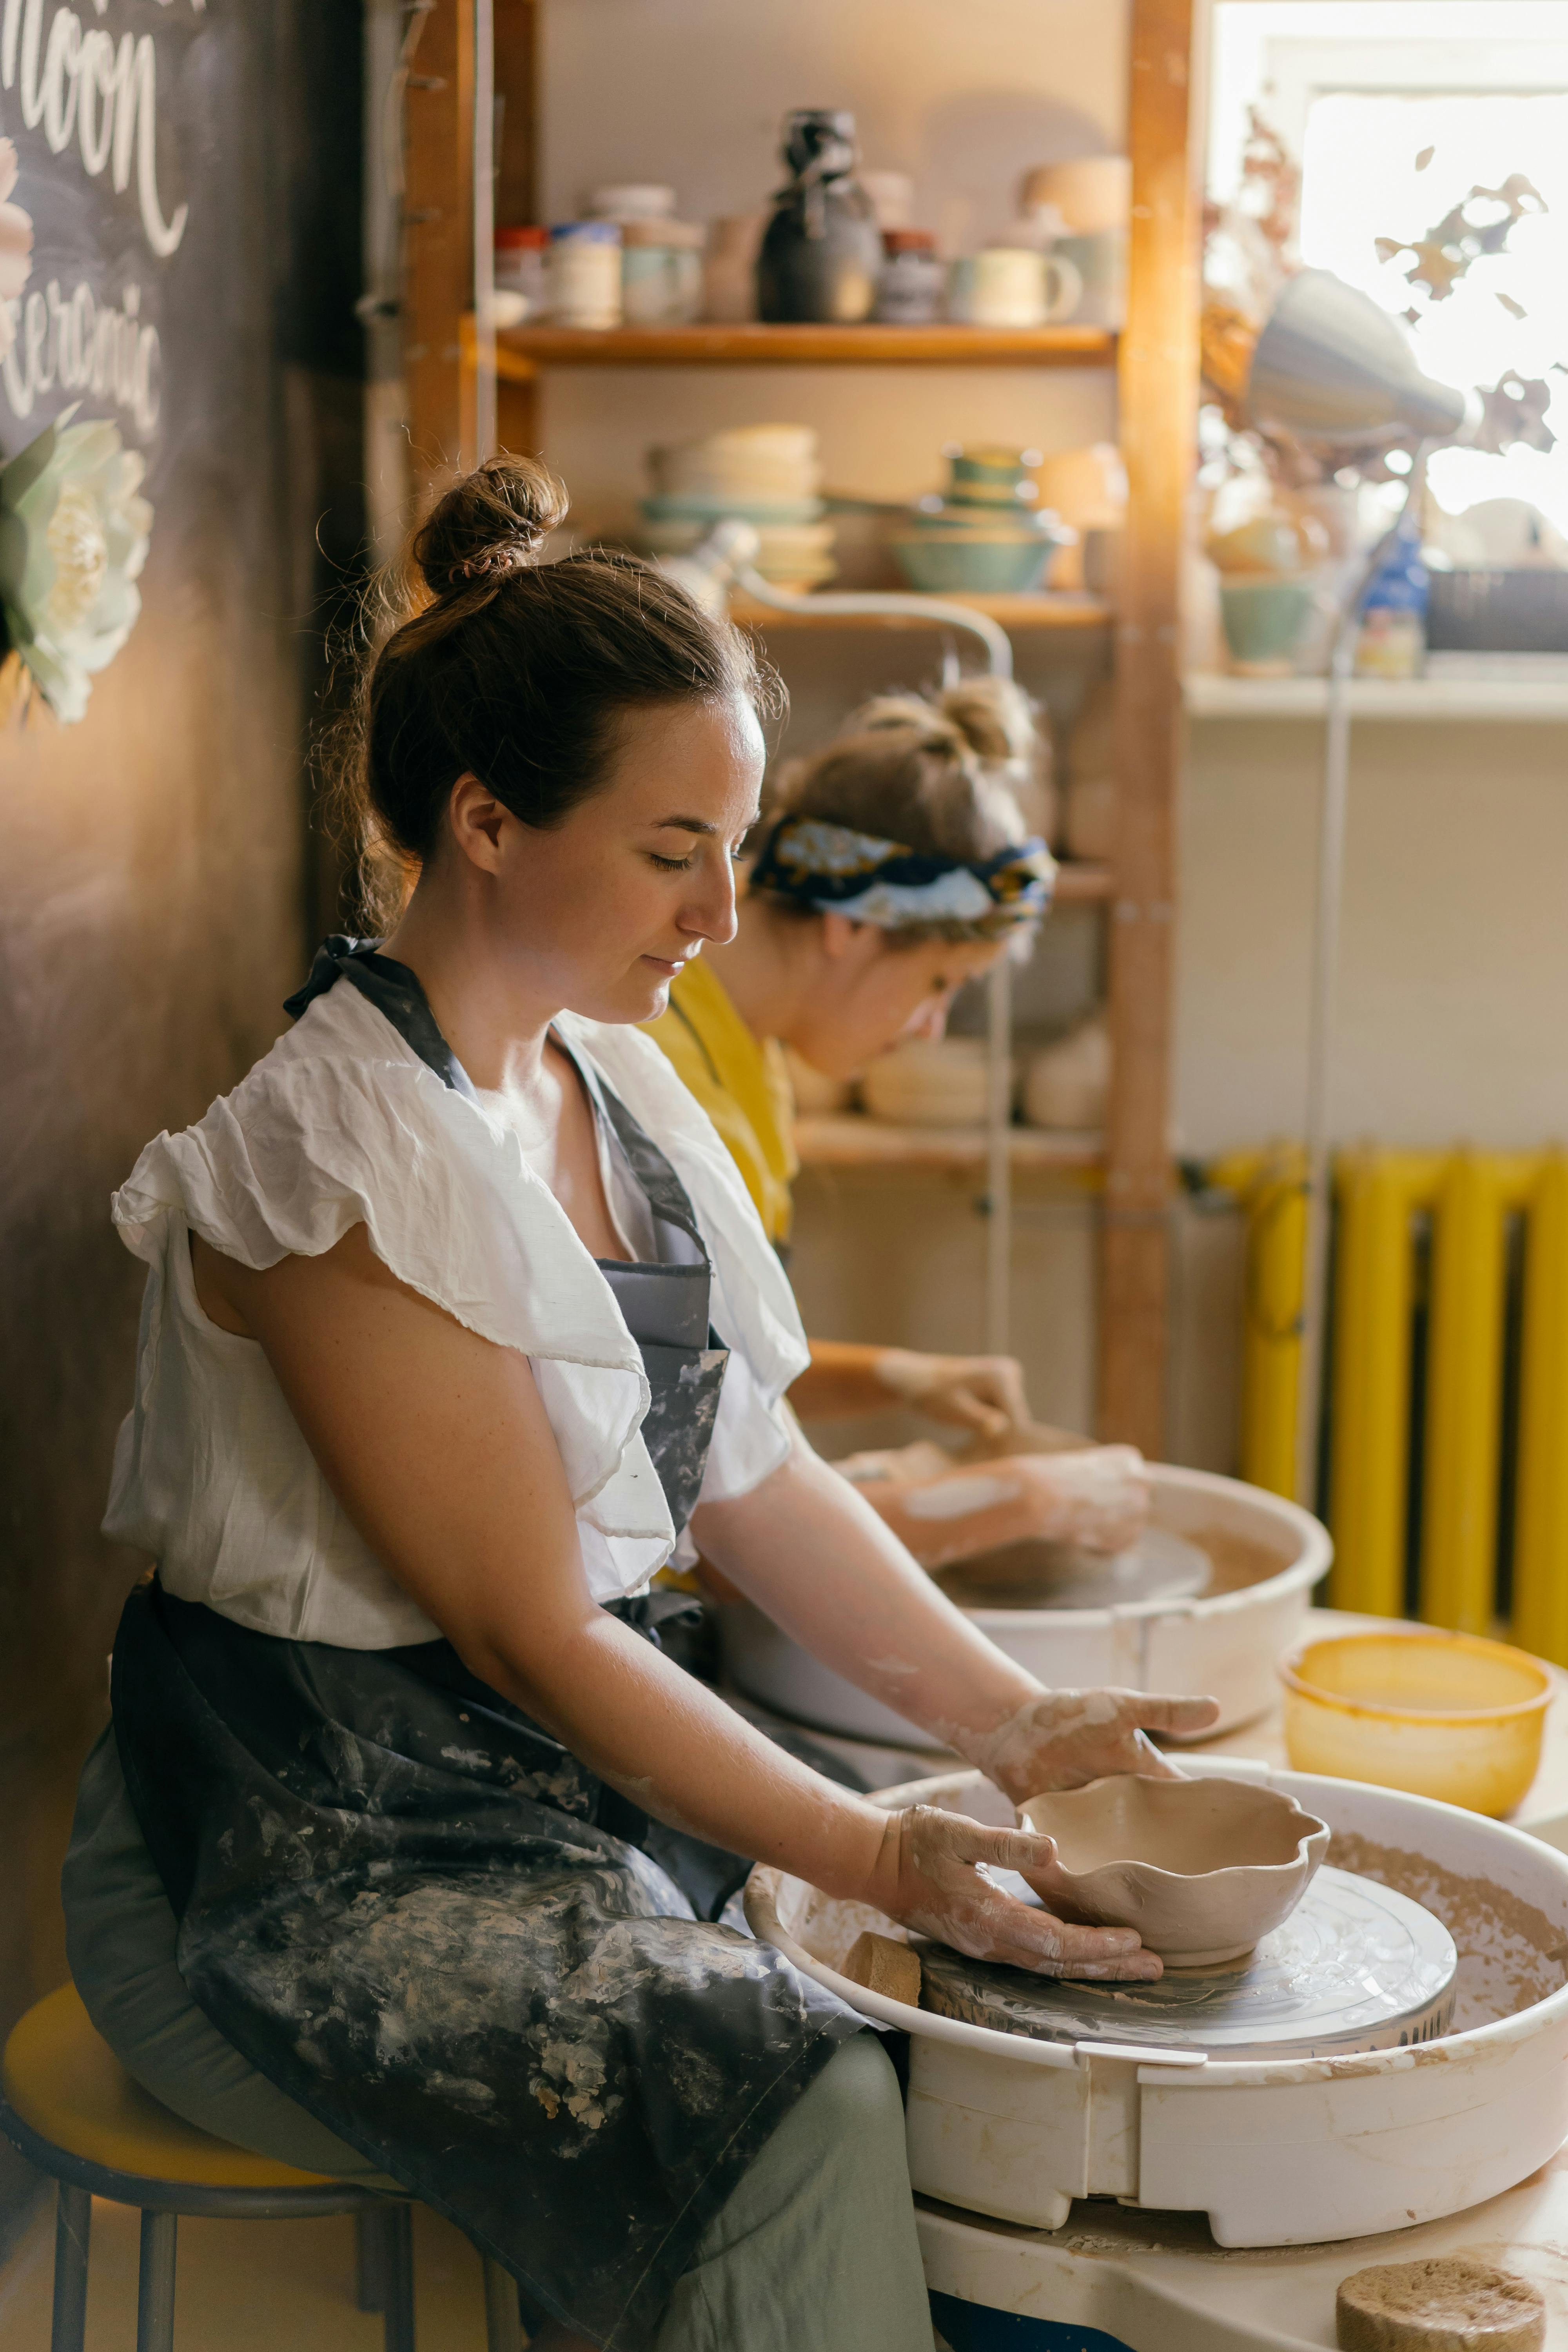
73,536
16,245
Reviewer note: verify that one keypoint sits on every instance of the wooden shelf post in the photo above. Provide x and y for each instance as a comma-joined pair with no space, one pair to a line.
1158,398
438,242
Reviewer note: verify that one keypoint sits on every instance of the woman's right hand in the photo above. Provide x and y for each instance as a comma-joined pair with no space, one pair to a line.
928,1876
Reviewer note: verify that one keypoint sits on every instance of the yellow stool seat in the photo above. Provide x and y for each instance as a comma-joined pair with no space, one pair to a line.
64,2082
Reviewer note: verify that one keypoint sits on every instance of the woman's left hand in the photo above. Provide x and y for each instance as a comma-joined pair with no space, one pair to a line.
1065,1738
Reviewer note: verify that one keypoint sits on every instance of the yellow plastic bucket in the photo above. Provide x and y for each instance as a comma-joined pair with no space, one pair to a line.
1441,1715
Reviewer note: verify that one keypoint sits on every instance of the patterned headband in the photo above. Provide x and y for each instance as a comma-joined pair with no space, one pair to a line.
825,867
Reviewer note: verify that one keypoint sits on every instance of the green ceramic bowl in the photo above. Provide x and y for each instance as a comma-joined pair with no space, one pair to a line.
972,566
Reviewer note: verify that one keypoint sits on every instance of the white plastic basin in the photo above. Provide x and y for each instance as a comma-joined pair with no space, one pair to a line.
1224,1645
1287,2151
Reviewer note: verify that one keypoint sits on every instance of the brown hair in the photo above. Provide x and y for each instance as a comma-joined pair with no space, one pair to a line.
962,775
513,670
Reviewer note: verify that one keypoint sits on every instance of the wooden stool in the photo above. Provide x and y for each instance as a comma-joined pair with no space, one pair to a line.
75,2113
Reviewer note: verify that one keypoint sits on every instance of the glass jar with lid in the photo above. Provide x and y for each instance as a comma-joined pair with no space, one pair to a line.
519,273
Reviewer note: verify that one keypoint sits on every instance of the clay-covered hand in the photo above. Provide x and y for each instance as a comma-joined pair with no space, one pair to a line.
980,1392
1065,1738
1098,1499
930,1874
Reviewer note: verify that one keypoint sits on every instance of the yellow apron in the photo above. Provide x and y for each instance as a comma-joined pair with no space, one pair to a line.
741,1081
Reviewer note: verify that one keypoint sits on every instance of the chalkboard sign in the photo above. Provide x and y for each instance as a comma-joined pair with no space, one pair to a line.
102,105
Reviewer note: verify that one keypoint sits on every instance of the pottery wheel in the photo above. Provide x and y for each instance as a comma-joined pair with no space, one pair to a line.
1160,1565
1355,1967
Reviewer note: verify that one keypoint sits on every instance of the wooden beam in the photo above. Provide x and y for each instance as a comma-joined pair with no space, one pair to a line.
1158,393
439,268
516,89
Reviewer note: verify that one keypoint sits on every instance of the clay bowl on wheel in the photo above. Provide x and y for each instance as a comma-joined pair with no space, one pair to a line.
1201,1868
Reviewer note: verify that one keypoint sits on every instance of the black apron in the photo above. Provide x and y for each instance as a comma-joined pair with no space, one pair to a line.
434,1928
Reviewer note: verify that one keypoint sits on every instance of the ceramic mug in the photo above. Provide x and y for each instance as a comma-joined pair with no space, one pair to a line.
1100,261
1010,285
1265,621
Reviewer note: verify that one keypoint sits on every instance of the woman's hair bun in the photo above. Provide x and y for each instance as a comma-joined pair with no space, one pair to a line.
962,773
490,523
992,718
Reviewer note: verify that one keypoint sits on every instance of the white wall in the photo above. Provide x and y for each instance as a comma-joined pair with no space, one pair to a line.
693,92
1453,999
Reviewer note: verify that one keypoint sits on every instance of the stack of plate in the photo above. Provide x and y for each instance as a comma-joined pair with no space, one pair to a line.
1067,1083
766,475
929,1082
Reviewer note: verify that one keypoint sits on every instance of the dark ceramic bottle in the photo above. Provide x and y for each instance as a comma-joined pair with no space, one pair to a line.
822,253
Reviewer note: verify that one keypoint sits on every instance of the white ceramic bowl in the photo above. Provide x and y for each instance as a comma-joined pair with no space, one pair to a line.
1201,1868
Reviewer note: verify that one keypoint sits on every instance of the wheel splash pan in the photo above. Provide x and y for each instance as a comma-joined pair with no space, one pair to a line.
1275,2151
1222,1643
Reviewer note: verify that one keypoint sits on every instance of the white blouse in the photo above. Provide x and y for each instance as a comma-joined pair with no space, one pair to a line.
342,1123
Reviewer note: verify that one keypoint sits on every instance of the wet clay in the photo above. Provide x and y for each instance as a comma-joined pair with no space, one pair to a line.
1511,1955
1447,2304
1201,1868
1028,1575
885,1966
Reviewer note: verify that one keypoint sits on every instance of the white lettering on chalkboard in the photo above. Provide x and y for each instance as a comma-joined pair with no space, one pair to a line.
83,345
79,81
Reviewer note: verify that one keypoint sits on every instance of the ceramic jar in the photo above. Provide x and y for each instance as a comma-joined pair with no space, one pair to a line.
730,268
521,272
584,274
822,253
909,291
1089,201
661,272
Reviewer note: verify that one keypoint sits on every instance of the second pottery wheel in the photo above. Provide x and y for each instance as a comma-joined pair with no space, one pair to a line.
1355,1967
1160,1565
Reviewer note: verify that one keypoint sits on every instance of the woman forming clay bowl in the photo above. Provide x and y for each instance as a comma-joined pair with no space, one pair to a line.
1201,1868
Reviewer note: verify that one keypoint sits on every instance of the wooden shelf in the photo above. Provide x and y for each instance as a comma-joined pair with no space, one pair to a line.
1212,695
1033,612
850,1140
1079,884
522,351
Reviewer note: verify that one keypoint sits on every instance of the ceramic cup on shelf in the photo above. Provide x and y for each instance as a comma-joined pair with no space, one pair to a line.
1012,286
1265,621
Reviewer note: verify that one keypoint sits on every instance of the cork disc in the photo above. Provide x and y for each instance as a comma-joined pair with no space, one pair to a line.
1449,2304
1355,1967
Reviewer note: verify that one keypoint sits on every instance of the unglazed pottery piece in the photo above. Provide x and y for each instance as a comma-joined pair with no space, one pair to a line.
1201,1868
1448,2303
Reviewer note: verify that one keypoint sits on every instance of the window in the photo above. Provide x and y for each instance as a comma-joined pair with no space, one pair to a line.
1395,111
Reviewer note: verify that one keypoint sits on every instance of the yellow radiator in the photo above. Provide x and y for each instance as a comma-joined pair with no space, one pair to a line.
1468,1197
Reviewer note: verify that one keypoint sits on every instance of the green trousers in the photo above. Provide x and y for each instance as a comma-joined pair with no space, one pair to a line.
815,2251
